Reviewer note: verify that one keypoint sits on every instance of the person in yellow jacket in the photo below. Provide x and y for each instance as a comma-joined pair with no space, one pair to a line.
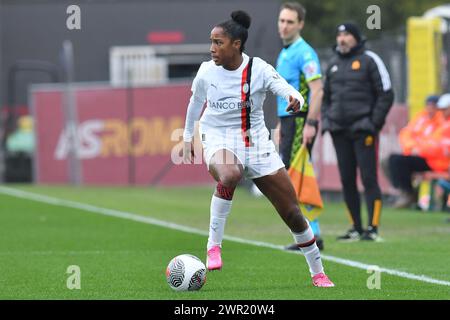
431,152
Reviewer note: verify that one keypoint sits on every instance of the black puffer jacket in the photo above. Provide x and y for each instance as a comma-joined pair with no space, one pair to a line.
357,93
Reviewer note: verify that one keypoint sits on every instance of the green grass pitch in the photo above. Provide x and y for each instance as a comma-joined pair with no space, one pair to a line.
124,259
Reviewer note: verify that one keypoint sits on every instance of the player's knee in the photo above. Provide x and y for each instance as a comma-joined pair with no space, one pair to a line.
231,178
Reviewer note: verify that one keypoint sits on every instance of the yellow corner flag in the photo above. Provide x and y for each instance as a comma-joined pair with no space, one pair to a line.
306,187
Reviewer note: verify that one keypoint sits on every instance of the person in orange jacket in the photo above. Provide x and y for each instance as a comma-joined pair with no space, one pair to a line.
436,149
429,152
421,126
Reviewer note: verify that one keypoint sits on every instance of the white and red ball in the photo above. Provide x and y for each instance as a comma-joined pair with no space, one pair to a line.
186,273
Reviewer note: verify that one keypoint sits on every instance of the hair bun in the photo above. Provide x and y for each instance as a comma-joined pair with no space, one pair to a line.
242,18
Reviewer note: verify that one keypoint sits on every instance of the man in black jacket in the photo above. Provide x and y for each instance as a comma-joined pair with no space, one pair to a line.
357,98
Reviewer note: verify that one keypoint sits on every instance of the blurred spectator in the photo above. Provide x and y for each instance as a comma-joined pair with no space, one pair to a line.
429,151
22,140
417,128
421,126
445,186
357,98
20,146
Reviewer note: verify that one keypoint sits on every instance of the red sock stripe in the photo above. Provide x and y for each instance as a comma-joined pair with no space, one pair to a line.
225,192
307,244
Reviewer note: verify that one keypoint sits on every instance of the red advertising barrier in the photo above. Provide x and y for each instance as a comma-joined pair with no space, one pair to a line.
128,137
106,118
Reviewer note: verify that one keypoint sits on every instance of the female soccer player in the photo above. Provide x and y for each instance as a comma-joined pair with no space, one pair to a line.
235,140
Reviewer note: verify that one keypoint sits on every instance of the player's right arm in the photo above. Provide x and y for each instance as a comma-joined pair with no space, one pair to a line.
194,110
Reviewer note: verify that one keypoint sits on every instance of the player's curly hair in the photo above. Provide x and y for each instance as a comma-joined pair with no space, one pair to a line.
237,27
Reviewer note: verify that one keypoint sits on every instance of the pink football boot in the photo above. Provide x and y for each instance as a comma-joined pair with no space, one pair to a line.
321,280
214,259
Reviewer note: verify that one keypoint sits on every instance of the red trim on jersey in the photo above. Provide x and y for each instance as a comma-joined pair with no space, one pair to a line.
244,113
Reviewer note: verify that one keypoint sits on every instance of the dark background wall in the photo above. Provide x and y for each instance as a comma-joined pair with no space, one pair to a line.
35,29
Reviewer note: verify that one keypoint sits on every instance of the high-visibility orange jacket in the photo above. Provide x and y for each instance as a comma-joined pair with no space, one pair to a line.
436,148
418,129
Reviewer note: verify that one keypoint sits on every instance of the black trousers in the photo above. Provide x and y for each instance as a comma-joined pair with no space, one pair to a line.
359,151
291,132
401,169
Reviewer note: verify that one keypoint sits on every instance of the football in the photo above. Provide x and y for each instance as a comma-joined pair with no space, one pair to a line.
186,273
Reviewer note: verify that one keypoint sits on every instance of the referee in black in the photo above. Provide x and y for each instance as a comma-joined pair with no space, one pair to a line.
357,98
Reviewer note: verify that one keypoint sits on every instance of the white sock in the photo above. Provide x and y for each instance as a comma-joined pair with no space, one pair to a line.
308,246
220,209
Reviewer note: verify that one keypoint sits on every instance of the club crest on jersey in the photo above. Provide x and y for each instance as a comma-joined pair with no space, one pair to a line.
245,88
356,65
334,69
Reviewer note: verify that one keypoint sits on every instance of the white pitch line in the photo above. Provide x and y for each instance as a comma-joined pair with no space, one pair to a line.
148,220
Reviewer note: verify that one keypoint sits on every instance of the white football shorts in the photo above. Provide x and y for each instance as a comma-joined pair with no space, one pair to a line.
259,160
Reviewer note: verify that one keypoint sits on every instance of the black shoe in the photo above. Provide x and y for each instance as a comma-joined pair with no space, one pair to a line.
371,234
319,242
351,236
294,246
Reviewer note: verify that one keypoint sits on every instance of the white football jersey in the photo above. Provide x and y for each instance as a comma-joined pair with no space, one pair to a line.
232,105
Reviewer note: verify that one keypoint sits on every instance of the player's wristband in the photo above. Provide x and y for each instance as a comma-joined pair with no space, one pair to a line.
313,122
